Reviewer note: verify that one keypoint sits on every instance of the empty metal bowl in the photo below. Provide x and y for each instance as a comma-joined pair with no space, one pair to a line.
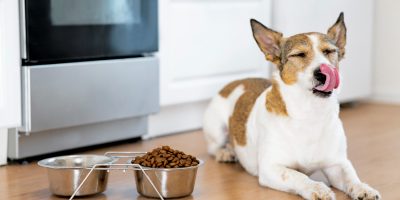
65,173
170,182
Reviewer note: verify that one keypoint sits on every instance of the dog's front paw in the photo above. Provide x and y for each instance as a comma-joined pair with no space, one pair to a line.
319,191
362,191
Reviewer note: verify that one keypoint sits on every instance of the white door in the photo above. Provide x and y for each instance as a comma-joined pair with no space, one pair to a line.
293,16
10,87
205,44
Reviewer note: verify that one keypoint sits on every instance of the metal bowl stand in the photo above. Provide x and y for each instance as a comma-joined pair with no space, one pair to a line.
123,167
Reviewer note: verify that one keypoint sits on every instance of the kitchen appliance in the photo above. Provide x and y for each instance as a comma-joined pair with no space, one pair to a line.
75,30
89,73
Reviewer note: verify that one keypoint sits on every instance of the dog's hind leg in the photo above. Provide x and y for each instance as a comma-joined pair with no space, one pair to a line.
216,132
214,125
226,154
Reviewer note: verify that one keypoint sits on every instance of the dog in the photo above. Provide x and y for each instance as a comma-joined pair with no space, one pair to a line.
284,129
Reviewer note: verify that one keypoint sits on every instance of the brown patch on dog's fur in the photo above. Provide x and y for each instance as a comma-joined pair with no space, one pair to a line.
228,89
274,101
291,65
253,87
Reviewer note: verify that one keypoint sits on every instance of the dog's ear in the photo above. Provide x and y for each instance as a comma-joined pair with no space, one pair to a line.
337,33
268,40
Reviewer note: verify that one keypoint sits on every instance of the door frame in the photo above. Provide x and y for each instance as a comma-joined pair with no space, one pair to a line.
10,65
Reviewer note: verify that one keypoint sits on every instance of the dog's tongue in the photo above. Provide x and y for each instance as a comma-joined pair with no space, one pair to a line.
332,78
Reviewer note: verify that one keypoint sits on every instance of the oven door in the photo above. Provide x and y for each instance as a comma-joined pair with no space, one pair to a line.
77,30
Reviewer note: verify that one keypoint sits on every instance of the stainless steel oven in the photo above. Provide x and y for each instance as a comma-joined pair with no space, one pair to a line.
76,30
89,73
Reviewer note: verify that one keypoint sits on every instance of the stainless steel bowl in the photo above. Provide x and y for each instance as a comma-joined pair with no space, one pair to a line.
65,173
170,182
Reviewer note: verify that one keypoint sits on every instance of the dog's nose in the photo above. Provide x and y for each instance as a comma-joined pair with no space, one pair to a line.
328,76
319,76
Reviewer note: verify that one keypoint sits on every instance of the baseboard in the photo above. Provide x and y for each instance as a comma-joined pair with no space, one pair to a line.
176,118
391,99
22,146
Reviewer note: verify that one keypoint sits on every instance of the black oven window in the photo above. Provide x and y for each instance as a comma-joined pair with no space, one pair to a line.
60,31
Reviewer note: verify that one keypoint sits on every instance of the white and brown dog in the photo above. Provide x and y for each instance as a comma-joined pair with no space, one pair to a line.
287,128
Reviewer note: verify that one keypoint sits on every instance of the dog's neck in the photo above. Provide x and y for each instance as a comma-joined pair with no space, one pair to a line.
302,104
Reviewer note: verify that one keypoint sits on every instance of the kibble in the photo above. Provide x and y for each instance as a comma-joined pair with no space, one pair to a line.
166,157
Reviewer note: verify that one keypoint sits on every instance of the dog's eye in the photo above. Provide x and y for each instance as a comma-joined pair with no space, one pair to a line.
300,55
328,51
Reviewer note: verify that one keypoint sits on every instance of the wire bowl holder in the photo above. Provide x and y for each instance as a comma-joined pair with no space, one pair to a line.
123,167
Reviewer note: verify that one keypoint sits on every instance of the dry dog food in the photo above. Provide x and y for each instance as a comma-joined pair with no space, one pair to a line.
166,157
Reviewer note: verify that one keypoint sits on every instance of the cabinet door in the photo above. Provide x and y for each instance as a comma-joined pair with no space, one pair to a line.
206,44
291,17
10,88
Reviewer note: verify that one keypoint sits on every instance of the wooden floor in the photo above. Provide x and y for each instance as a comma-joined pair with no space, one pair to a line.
374,147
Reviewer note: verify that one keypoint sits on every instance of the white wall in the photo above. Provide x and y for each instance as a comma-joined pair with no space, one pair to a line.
386,80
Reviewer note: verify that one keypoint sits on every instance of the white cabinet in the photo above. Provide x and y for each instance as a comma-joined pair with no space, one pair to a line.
10,87
293,16
204,44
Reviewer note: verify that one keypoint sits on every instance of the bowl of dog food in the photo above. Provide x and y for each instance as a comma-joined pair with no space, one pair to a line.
172,172
65,173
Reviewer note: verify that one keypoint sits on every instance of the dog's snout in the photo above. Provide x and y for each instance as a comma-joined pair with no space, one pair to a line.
319,76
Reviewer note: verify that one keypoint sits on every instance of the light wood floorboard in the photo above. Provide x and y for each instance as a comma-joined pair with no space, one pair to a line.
373,132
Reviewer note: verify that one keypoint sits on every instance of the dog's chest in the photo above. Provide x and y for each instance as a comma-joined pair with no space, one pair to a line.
306,144
310,145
